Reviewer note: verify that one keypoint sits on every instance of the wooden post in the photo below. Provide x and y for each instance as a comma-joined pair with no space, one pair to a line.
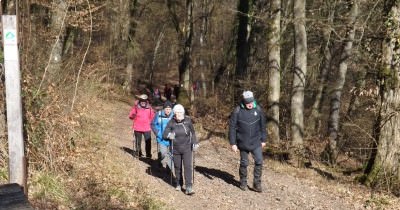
17,165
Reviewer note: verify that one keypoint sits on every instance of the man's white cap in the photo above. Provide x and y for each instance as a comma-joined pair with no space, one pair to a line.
248,96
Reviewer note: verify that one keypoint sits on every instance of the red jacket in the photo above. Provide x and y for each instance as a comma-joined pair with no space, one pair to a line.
142,117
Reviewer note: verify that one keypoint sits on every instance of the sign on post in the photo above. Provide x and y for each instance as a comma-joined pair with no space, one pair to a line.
17,165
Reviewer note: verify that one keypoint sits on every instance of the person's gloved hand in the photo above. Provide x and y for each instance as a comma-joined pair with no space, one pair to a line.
196,147
171,136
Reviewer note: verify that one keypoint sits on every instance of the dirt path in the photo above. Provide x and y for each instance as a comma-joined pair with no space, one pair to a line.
216,178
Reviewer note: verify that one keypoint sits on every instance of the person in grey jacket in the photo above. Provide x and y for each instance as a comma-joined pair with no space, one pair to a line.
247,133
180,132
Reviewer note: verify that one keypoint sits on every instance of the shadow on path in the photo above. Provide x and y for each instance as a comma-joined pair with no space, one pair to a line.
128,150
154,168
212,173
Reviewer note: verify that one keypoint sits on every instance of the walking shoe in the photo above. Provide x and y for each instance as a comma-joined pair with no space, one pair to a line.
257,188
189,190
243,186
178,188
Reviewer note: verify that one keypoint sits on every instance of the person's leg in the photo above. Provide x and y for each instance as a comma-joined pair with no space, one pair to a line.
187,163
138,136
178,170
258,163
147,138
165,156
244,162
159,153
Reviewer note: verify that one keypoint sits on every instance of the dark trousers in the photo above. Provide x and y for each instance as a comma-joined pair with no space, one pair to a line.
147,138
244,162
183,154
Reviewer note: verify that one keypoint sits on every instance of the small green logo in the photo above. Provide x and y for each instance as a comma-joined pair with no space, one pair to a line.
10,35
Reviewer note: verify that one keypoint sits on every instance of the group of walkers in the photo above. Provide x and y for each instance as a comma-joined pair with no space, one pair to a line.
176,138
175,134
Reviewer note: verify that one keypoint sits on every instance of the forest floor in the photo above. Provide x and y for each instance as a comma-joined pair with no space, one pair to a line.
216,176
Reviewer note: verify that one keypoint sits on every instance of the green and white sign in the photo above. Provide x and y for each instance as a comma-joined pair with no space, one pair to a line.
10,37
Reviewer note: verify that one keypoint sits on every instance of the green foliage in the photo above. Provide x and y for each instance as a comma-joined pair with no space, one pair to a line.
3,174
48,187
390,78
151,204
378,202
1,56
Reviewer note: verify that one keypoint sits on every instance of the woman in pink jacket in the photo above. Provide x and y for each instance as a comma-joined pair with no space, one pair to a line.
142,114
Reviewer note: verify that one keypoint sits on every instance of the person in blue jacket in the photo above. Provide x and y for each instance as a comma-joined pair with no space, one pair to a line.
158,125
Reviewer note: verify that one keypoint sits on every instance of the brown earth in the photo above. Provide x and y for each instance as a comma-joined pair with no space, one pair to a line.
216,177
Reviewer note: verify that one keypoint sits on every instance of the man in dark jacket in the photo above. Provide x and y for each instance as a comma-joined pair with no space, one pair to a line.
247,133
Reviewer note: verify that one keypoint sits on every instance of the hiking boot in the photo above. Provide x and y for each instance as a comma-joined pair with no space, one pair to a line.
257,187
189,190
243,177
178,188
257,178
243,186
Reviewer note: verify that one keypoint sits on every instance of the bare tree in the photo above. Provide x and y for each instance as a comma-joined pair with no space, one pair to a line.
274,70
203,43
337,89
384,165
185,37
243,35
58,27
299,76
132,25
325,66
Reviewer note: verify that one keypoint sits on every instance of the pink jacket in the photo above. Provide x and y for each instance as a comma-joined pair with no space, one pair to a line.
141,117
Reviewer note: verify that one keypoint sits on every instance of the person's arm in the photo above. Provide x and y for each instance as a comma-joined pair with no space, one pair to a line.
168,132
232,130
155,125
132,113
192,132
232,127
263,127
151,113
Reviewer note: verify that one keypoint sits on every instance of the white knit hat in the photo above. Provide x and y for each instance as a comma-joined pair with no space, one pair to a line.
179,108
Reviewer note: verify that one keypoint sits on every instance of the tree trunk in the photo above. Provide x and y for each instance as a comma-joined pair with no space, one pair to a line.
9,7
153,61
314,122
69,41
131,45
203,44
242,41
355,99
274,71
383,169
184,71
58,29
334,117
299,77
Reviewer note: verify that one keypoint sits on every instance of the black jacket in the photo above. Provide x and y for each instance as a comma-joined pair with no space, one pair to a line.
247,128
184,132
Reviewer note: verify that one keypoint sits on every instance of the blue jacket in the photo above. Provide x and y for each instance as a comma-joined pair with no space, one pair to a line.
158,125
